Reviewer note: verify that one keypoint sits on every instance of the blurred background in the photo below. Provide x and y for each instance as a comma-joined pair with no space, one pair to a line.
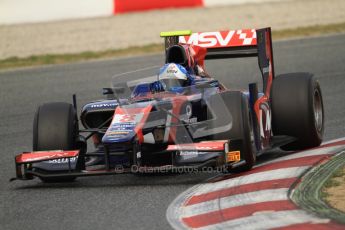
38,27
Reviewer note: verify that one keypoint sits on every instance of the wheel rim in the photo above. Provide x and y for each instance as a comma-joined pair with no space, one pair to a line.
318,112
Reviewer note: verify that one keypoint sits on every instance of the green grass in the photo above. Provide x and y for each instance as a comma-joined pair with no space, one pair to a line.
15,62
309,31
333,181
48,59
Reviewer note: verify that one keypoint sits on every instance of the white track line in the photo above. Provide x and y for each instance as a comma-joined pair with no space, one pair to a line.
235,201
252,178
268,220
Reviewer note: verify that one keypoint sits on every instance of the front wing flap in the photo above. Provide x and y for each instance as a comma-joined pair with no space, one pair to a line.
56,160
197,153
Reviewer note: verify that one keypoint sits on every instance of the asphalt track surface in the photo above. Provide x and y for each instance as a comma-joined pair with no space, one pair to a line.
129,201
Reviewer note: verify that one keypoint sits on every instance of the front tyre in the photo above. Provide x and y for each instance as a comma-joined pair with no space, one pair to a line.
242,128
241,133
55,128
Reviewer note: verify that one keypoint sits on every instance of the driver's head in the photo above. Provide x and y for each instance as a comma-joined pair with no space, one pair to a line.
174,77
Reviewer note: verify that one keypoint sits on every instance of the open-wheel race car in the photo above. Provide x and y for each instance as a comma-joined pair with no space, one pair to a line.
179,116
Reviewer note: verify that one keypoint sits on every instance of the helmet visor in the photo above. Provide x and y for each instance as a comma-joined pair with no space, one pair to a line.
171,84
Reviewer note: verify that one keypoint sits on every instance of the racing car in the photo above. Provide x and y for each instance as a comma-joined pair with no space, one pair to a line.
137,128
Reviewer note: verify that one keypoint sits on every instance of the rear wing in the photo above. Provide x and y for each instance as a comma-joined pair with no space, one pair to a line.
231,44
224,44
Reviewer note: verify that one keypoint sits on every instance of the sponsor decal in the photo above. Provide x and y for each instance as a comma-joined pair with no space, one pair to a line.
199,146
221,38
233,156
191,120
127,118
122,126
189,153
120,129
209,39
63,160
45,155
102,105
172,69
111,133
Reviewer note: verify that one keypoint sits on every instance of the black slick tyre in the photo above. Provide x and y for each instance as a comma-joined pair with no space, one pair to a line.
297,110
55,128
241,133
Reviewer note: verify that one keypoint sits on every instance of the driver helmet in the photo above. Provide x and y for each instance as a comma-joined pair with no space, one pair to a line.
174,77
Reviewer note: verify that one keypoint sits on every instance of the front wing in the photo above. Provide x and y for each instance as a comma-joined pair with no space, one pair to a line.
55,164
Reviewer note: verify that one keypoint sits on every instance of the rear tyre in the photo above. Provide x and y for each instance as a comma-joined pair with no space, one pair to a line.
241,134
55,128
297,110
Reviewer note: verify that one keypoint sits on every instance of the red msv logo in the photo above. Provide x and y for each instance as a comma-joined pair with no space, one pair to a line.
221,38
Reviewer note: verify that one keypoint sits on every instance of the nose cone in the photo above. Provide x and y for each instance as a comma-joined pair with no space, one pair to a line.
127,123
119,132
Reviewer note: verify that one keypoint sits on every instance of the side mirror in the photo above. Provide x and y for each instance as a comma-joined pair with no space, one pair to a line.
109,92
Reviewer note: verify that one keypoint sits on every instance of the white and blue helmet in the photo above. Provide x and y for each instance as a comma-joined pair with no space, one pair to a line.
174,77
